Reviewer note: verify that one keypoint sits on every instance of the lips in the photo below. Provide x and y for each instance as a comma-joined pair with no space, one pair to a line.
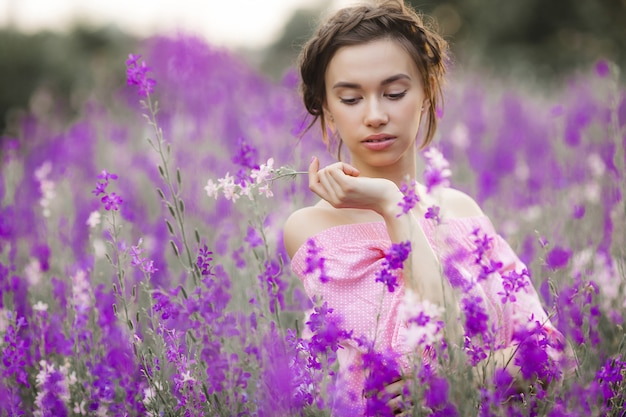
381,137
378,142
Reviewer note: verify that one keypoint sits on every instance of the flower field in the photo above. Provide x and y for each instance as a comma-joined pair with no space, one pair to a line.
142,270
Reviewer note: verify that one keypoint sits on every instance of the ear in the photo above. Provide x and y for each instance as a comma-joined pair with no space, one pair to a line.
328,117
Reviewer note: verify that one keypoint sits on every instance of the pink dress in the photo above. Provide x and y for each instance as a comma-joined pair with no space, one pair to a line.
355,252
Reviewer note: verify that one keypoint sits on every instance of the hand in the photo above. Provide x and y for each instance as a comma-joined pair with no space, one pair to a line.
341,186
395,392
396,403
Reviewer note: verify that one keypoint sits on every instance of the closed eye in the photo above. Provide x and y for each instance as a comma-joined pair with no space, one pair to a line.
397,96
349,100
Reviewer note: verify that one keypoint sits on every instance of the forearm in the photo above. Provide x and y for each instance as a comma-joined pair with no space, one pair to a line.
422,271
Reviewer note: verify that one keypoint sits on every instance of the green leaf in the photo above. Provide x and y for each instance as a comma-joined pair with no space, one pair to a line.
171,208
178,177
181,205
197,236
161,193
169,227
175,248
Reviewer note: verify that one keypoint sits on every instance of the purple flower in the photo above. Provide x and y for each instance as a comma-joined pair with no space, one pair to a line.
275,287
165,303
532,353
253,238
203,260
436,398
137,75
512,284
16,351
610,377
476,317
397,254
394,260
381,369
437,171
578,211
410,197
602,68
146,265
558,258
100,188
106,176
388,278
433,213
327,335
315,262
112,202
53,387
483,245
246,156
578,312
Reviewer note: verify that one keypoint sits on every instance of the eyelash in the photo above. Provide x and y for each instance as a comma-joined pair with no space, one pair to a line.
352,101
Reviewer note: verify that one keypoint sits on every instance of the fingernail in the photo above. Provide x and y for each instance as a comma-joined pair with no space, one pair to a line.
312,159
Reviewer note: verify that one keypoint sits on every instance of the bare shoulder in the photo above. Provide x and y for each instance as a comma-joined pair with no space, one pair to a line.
459,204
304,223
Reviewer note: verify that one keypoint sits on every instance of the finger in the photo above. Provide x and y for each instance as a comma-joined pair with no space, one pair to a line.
345,183
399,406
314,179
395,388
350,170
314,167
330,185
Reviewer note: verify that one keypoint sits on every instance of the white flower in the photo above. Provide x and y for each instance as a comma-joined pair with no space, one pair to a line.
81,291
265,190
46,187
424,323
80,408
596,165
43,171
99,248
40,306
33,272
264,172
228,186
212,188
94,219
187,377
460,136
4,321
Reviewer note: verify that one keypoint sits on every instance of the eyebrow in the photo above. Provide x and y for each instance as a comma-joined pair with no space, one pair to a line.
389,80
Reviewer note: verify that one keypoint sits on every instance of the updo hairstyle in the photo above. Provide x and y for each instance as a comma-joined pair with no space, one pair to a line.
366,23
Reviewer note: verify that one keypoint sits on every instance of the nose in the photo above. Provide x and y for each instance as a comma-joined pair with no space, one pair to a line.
375,115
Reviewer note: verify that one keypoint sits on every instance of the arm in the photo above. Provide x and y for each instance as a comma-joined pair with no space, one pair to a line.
341,186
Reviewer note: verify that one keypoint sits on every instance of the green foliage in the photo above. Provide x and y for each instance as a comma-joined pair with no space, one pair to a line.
51,73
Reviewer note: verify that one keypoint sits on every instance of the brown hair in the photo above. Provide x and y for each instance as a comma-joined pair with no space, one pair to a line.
361,24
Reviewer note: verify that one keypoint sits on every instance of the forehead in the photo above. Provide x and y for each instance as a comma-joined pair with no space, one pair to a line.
370,63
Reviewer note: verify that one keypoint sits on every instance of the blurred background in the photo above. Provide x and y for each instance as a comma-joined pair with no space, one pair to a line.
55,53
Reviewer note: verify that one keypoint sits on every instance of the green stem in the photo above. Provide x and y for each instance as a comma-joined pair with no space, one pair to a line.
175,194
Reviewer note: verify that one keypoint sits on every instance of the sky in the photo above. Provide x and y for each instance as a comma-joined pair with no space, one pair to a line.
229,23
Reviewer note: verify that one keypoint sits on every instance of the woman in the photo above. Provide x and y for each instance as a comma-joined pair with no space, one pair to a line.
372,75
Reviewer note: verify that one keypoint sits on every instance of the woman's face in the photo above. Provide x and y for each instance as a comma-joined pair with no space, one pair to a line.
374,99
